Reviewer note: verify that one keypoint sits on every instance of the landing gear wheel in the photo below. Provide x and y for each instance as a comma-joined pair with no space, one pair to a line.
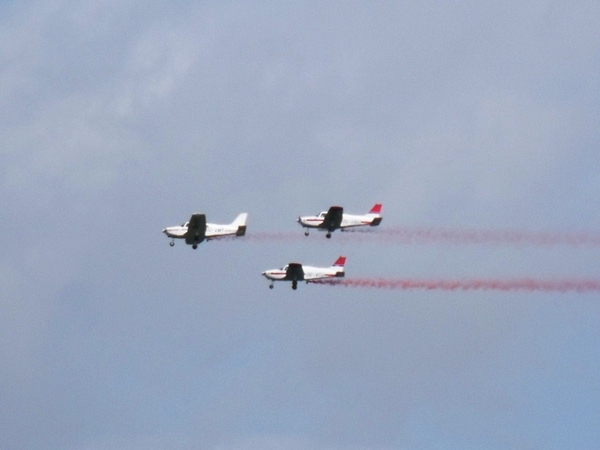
294,285
172,243
306,233
328,235
270,286
195,246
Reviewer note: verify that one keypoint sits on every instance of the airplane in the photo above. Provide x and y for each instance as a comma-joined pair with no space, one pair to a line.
295,272
336,219
197,230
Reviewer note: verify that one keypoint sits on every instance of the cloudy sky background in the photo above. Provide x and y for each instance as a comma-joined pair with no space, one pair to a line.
120,118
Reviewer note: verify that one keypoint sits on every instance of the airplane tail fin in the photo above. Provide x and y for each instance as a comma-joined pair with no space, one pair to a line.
240,222
338,265
376,211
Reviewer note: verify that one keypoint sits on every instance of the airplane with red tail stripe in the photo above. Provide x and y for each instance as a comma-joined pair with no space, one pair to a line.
335,219
295,272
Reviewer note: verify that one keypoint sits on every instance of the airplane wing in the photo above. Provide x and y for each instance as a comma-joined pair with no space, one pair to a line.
333,218
196,232
294,272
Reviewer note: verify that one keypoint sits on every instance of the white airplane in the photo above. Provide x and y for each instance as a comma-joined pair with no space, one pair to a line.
295,272
197,230
335,218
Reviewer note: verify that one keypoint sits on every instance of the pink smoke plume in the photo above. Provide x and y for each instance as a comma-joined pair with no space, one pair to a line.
524,284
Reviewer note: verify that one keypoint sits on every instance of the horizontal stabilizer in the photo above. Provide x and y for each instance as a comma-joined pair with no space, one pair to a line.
376,221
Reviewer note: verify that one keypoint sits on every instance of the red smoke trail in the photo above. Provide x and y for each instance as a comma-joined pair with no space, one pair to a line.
525,284
420,235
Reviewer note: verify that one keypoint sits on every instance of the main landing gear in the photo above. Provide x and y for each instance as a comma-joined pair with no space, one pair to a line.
328,235
294,285
196,240
306,233
172,243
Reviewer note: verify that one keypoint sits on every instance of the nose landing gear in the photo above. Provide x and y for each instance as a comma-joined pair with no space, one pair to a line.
172,243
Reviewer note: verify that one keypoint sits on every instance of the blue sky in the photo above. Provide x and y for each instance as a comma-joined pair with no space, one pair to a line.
121,118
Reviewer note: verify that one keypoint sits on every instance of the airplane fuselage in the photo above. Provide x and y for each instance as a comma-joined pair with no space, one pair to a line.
295,272
310,273
212,231
197,230
348,220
